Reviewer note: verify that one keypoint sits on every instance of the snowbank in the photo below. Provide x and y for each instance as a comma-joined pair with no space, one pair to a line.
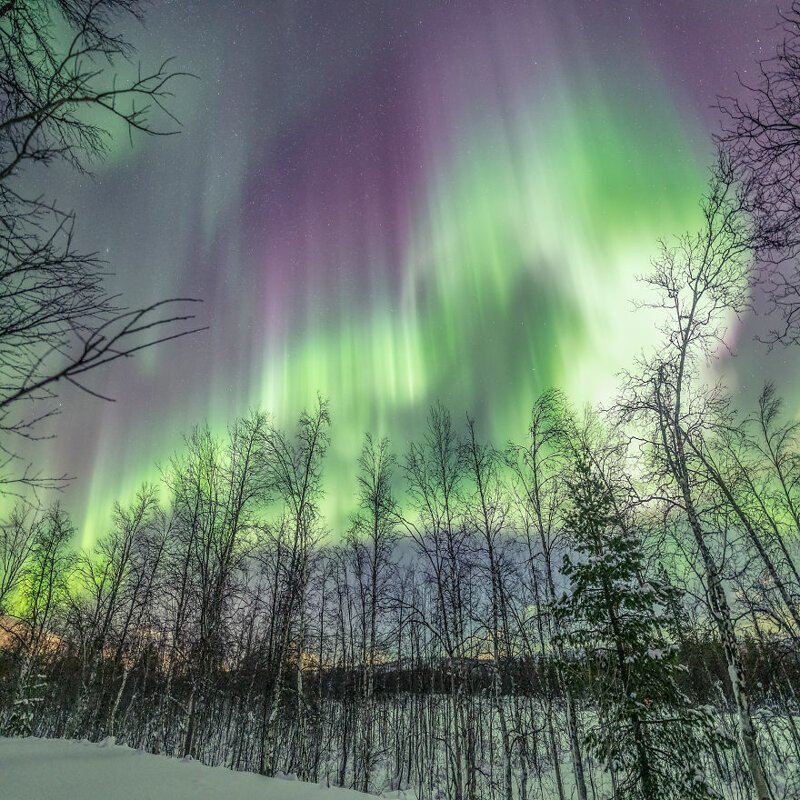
56,769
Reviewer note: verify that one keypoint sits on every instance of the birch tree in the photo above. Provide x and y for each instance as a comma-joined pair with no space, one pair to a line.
699,285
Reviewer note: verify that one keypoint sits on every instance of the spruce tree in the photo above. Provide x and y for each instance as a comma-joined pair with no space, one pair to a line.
615,627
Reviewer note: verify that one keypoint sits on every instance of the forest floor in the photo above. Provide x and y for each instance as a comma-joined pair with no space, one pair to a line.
58,769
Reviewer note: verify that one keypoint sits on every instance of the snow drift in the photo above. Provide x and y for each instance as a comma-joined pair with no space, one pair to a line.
59,769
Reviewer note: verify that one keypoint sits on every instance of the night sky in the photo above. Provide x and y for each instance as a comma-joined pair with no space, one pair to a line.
392,203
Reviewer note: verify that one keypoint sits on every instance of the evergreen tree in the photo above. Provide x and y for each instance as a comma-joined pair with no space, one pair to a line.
615,627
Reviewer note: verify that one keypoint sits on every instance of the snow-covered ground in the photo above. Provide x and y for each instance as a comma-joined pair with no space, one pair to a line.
57,769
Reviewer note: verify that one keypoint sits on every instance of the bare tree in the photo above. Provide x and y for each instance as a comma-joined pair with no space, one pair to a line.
699,285
435,473
43,598
538,470
216,490
294,474
17,536
66,80
372,538
761,134
488,508
103,575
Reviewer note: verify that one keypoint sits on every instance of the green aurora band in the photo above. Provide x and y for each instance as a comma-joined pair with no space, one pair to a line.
520,275
536,190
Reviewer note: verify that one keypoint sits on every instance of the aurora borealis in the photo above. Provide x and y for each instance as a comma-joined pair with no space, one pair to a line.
393,203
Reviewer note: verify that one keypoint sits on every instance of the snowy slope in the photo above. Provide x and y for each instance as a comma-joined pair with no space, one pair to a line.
56,769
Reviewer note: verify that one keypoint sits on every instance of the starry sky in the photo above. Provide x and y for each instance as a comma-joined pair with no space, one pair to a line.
393,203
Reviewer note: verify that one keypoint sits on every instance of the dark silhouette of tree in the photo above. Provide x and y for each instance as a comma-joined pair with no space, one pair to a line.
761,134
66,79
371,540
538,469
699,284
294,475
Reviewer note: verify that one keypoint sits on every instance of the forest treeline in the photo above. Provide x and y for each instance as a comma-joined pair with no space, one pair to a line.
442,641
